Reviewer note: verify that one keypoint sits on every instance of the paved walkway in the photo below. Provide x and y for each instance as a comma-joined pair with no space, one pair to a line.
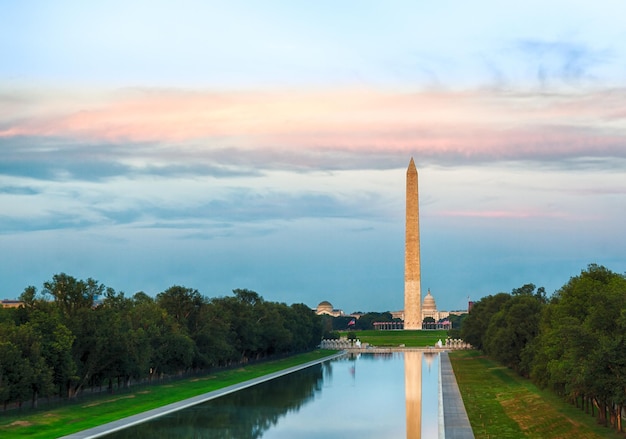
109,428
456,424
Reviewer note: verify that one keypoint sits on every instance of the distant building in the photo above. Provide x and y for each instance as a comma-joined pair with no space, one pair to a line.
6,303
429,309
326,307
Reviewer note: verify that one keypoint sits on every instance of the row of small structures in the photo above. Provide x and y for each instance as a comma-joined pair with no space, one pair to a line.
344,343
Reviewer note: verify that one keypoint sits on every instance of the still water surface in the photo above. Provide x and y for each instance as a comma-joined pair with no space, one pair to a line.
363,396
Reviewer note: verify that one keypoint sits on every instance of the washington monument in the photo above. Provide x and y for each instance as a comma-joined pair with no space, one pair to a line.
412,276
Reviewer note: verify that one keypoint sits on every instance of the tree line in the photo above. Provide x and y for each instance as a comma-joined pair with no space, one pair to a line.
332,325
76,334
573,342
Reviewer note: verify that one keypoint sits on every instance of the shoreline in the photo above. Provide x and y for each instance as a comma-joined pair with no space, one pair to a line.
453,420
129,421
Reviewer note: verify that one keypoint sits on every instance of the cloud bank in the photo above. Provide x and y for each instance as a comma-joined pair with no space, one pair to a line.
221,133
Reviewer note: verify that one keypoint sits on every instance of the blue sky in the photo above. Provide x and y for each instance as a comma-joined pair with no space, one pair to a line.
264,145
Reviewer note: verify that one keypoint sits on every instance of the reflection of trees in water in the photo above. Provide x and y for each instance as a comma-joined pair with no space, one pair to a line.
246,414
327,367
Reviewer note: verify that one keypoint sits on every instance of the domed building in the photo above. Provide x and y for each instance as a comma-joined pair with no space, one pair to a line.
429,309
326,307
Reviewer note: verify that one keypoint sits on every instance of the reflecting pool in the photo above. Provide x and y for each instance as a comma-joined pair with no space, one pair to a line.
390,395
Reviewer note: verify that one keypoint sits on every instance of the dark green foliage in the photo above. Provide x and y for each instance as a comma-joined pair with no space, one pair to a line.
332,335
81,334
363,323
574,343
581,348
457,320
511,329
366,321
476,323
341,323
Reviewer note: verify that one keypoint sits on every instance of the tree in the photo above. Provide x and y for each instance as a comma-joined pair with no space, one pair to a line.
90,335
511,331
29,296
212,338
475,325
72,295
306,327
244,320
39,372
580,351
274,337
175,353
23,369
366,321
55,337
12,368
183,305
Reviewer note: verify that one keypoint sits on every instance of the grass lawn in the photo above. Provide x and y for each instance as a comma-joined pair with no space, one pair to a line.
501,404
97,410
395,338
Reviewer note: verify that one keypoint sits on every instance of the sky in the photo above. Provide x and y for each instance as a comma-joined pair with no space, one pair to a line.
264,145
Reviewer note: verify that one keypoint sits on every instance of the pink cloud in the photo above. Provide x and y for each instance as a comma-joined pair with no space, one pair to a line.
479,124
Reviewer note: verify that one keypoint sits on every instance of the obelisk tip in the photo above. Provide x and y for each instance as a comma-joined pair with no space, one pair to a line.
412,166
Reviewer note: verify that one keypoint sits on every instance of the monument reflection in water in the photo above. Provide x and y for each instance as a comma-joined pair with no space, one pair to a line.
413,393
391,395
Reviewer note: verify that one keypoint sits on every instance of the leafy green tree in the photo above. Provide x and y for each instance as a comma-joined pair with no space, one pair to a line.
212,338
366,321
56,338
274,337
12,368
23,369
89,349
95,330
175,353
90,335
29,297
117,346
37,371
244,322
183,304
72,295
505,326
580,349
511,331
145,318
306,327
326,322
456,322
475,325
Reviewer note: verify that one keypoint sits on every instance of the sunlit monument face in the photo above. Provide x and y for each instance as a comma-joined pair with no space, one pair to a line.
412,293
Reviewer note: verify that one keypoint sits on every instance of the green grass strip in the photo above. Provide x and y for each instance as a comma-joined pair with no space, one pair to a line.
412,339
92,411
501,404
